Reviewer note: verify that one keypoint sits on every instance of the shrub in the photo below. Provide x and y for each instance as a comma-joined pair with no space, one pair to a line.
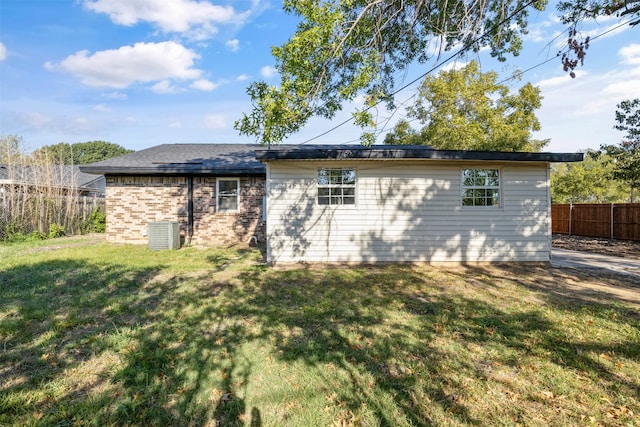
35,235
17,237
56,230
97,221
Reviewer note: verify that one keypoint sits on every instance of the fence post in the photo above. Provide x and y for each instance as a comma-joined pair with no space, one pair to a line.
612,206
41,219
570,215
4,217
5,209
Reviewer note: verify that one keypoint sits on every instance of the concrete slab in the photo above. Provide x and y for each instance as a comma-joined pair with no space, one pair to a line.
563,258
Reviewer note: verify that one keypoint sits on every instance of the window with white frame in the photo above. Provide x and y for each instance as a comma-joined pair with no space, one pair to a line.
227,194
481,187
337,186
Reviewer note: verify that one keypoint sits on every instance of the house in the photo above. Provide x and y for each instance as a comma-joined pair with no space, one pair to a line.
214,191
342,204
64,178
407,204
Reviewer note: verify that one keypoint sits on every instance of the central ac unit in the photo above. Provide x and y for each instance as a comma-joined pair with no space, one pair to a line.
163,235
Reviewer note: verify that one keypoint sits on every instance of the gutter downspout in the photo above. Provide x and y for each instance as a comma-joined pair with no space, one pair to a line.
189,209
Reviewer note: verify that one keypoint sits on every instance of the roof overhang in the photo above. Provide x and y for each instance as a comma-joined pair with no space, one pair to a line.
406,153
175,170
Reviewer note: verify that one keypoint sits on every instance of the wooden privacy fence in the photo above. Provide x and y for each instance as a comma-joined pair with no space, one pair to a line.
26,212
607,220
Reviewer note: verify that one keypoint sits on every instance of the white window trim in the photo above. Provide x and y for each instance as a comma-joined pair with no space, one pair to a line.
500,187
354,186
237,180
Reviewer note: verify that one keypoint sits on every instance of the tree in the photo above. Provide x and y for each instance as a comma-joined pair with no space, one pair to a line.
467,109
626,156
10,149
345,48
404,134
588,181
81,153
574,12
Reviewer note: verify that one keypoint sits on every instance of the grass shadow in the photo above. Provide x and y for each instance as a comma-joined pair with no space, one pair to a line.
233,342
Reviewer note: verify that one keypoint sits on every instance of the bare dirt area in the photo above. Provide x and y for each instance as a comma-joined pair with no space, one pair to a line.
68,242
593,285
620,248
586,287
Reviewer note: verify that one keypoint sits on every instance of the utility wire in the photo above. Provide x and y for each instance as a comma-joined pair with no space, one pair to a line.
514,75
462,50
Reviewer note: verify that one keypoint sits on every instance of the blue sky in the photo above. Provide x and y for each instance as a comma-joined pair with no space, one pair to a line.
147,72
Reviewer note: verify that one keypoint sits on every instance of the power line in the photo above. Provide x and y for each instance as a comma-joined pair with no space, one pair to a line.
464,48
453,56
521,72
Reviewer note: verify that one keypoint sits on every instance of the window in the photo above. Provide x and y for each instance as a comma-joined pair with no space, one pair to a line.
337,186
481,187
227,194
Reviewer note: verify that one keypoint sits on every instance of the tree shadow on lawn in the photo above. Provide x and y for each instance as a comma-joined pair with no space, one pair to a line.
359,321
612,298
87,343
393,345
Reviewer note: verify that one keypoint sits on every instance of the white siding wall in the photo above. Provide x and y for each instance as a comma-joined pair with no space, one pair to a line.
406,212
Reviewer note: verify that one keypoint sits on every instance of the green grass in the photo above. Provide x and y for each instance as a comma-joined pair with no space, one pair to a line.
100,334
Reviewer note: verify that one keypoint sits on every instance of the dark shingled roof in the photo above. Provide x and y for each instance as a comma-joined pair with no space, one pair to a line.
181,159
63,175
389,152
246,159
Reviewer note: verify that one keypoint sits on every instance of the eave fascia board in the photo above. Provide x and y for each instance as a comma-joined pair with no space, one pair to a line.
411,154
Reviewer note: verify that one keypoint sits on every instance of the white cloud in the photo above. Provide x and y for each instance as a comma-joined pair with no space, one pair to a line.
562,80
102,108
215,121
579,112
204,85
164,87
242,77
142,62
268,71
3,52
622,89
65,123
116,95
535,35
453,65
33,120
630,54
602,33
172,16
175,124
539,31
233,45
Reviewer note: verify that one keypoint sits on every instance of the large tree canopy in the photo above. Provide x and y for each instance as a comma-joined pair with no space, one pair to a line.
345,48
588,181
81,153
467,109
626,155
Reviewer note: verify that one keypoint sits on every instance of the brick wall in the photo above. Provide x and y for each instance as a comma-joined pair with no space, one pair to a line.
133,201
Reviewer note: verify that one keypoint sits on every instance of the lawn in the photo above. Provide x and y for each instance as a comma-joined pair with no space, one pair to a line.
99,334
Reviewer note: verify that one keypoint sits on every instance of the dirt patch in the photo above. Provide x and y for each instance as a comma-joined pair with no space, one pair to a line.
68,242
620,248
596,284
